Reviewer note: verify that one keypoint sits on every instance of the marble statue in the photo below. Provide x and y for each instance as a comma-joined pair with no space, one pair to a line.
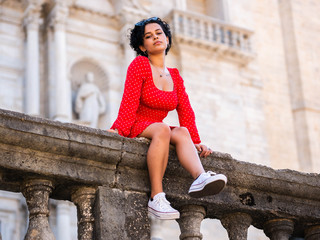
90,102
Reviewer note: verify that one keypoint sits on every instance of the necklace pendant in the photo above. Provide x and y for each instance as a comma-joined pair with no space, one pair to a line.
160,75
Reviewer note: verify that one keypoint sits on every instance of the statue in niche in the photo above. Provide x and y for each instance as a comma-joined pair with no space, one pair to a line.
90,102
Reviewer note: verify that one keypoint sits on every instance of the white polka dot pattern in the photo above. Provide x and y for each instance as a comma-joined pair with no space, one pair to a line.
143,103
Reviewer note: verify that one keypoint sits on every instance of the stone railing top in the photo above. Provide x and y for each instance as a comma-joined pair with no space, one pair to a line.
72,155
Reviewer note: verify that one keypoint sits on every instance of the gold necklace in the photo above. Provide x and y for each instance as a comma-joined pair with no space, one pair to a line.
163,72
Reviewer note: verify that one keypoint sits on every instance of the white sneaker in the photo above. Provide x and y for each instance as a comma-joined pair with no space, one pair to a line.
160,208
206,184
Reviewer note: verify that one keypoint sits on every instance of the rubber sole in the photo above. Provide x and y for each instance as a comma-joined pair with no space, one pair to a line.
163,216
211,188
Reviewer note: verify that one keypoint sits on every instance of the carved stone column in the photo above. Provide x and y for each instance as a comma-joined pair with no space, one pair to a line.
279,229
190,220
237,225
59,16
36,192
32,84
312,233
84,199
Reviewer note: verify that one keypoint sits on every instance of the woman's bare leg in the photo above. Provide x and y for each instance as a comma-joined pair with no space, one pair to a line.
158,152
186,151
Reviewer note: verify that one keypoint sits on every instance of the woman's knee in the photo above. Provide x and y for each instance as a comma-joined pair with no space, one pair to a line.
162,131
179,133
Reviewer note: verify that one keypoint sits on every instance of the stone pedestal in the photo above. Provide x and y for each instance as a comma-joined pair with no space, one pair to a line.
237,225
190,220
36,192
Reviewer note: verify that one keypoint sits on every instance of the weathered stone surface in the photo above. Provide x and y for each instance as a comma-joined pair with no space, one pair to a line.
36,192
237,225
279,229
74,157
122,215
190,220
84,199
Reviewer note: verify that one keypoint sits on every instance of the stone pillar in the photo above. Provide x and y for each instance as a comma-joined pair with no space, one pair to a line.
84,199
63,111
279,229
237,225
32,84
312,233
36,192
190,220
63,221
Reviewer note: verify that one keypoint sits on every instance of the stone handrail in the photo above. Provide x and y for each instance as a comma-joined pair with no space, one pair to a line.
106,176
212,33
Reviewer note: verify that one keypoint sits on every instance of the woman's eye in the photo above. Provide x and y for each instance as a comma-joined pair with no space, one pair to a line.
158,33
148,37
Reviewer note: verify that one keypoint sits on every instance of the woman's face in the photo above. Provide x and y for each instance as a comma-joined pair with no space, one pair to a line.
154,40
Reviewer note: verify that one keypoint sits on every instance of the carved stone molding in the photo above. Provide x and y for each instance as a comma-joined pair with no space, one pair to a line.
190,222
36,192
237,225
32,15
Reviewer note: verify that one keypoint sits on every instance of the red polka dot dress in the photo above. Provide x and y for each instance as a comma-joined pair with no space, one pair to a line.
143,103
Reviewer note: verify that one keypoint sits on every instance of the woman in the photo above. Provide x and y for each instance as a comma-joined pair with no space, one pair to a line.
151,91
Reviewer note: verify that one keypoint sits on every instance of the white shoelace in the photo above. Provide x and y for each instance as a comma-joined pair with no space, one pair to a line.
162,202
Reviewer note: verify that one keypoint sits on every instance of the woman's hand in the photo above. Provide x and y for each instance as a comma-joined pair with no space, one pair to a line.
203,149
113,130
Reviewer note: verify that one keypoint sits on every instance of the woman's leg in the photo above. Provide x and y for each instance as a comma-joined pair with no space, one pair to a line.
186,151
157,156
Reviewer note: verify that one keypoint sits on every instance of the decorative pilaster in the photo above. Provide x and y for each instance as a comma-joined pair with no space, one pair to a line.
279,229
32,84
190,220
59,16
84,199
36,192
237,225
312,233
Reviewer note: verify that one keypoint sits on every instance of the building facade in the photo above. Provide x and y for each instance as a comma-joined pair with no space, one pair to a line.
251,70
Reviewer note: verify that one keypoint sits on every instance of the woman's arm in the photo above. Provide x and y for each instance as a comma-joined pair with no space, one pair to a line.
130,99
185,112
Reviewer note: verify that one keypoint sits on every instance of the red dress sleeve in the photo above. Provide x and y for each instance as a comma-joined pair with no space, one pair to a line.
130,99
186,115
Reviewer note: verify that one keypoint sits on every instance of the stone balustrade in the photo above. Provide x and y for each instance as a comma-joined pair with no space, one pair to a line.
106,176
212,34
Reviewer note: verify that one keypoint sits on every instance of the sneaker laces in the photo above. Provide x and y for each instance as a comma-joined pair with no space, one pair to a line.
162,202
210,173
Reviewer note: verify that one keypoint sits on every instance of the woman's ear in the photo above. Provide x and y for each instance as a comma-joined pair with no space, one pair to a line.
142,48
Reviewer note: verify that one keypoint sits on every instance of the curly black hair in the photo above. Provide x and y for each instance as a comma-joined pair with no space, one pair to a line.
137,34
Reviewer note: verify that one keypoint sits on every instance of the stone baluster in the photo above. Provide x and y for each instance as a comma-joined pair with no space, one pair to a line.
312,233
237,225
190,220
217,33
36,192
279,229
31,22
59,15
84,199
210,28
